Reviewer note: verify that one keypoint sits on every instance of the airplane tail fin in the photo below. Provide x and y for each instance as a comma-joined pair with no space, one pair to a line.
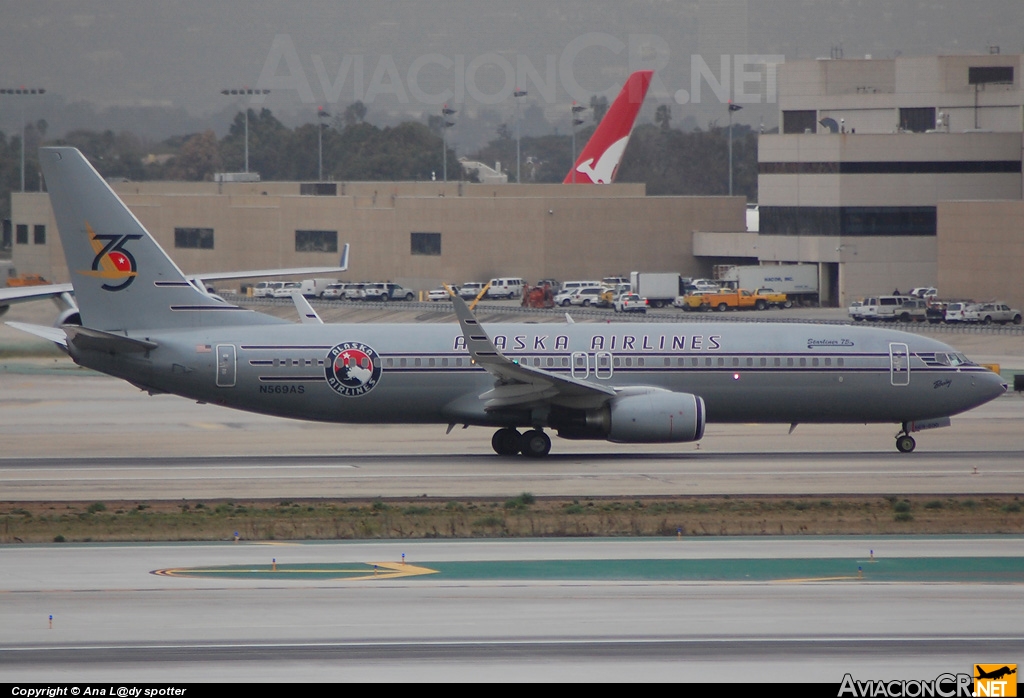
123,279
599,161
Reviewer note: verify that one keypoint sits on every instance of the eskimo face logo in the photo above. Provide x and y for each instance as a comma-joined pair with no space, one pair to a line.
352,369
112,260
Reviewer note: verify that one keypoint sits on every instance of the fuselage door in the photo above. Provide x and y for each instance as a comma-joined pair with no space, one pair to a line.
580,364
899,364
226,365
603,365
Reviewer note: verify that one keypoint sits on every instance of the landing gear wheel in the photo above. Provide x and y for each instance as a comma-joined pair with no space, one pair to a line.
905,443
506,442
536,444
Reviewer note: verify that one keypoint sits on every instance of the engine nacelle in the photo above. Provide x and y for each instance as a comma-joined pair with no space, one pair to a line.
651,416
70,316
658,416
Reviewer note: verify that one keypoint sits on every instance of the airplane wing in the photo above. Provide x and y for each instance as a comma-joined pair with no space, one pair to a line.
517,385
21,294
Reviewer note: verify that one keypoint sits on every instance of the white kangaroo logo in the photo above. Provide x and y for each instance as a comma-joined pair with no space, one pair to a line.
606,164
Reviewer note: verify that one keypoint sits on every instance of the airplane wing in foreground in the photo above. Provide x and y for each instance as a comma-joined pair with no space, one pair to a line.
517,385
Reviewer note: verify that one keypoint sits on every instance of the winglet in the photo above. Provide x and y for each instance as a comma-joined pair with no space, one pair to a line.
343,263
481,348
306,312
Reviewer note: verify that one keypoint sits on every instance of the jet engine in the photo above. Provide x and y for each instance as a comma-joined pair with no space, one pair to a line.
651,416
69,316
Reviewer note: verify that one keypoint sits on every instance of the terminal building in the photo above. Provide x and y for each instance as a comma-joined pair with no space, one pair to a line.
892,174
887,174
418,234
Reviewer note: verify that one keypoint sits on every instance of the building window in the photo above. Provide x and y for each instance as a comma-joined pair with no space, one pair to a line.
848,220
316,240
194,238
21,234
990,75
917,119
39,234
426,243
318,188
802,121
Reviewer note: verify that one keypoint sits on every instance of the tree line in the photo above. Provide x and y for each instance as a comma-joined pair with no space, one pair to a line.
670,161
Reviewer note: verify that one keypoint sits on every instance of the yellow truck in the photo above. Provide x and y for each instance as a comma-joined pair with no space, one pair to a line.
723,300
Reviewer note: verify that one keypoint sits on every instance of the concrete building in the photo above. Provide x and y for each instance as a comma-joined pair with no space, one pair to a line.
414,233
868,150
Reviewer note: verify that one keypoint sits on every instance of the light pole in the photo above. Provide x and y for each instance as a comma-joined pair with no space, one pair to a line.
245,110
23,92
732,108
519,128
321,113
446,112
576,121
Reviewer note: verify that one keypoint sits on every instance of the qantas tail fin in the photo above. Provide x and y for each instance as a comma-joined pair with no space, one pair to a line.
600,159
123,279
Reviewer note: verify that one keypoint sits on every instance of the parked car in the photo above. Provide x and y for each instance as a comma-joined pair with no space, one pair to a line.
470,290
334,292
587,296
987,313
856,311
355,291
441,293
265,289
286,289
387,291
913,310
630,303
955,311
925,292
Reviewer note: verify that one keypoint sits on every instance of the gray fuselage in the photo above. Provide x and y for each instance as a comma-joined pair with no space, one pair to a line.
762,372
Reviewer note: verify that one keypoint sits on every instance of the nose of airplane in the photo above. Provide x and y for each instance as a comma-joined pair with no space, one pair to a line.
989,386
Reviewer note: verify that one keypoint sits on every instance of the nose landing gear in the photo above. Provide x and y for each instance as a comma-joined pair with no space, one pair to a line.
904,441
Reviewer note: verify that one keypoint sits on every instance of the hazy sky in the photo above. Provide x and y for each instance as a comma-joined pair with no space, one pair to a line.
412,55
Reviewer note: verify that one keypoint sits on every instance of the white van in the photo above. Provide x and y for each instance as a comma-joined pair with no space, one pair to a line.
506,287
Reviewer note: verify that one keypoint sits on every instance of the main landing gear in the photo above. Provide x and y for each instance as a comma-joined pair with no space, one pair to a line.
905,442
533,444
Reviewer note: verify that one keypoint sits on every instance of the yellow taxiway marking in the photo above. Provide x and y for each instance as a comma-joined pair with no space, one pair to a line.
801,580
384,570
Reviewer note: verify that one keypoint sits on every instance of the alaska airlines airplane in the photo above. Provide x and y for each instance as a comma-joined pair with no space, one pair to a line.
145,322
600,159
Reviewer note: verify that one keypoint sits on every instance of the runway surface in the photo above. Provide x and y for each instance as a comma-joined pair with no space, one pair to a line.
73,435
113,620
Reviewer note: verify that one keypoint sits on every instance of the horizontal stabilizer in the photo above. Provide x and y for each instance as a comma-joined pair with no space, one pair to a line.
22,294
50,334
88,339
269,273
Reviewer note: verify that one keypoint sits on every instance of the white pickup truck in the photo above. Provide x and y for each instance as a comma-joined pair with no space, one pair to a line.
987,313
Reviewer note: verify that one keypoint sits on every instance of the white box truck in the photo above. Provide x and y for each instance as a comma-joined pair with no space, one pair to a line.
797,281
314,288
659,288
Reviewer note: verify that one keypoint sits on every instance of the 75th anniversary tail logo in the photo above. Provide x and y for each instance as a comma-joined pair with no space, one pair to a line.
112,262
